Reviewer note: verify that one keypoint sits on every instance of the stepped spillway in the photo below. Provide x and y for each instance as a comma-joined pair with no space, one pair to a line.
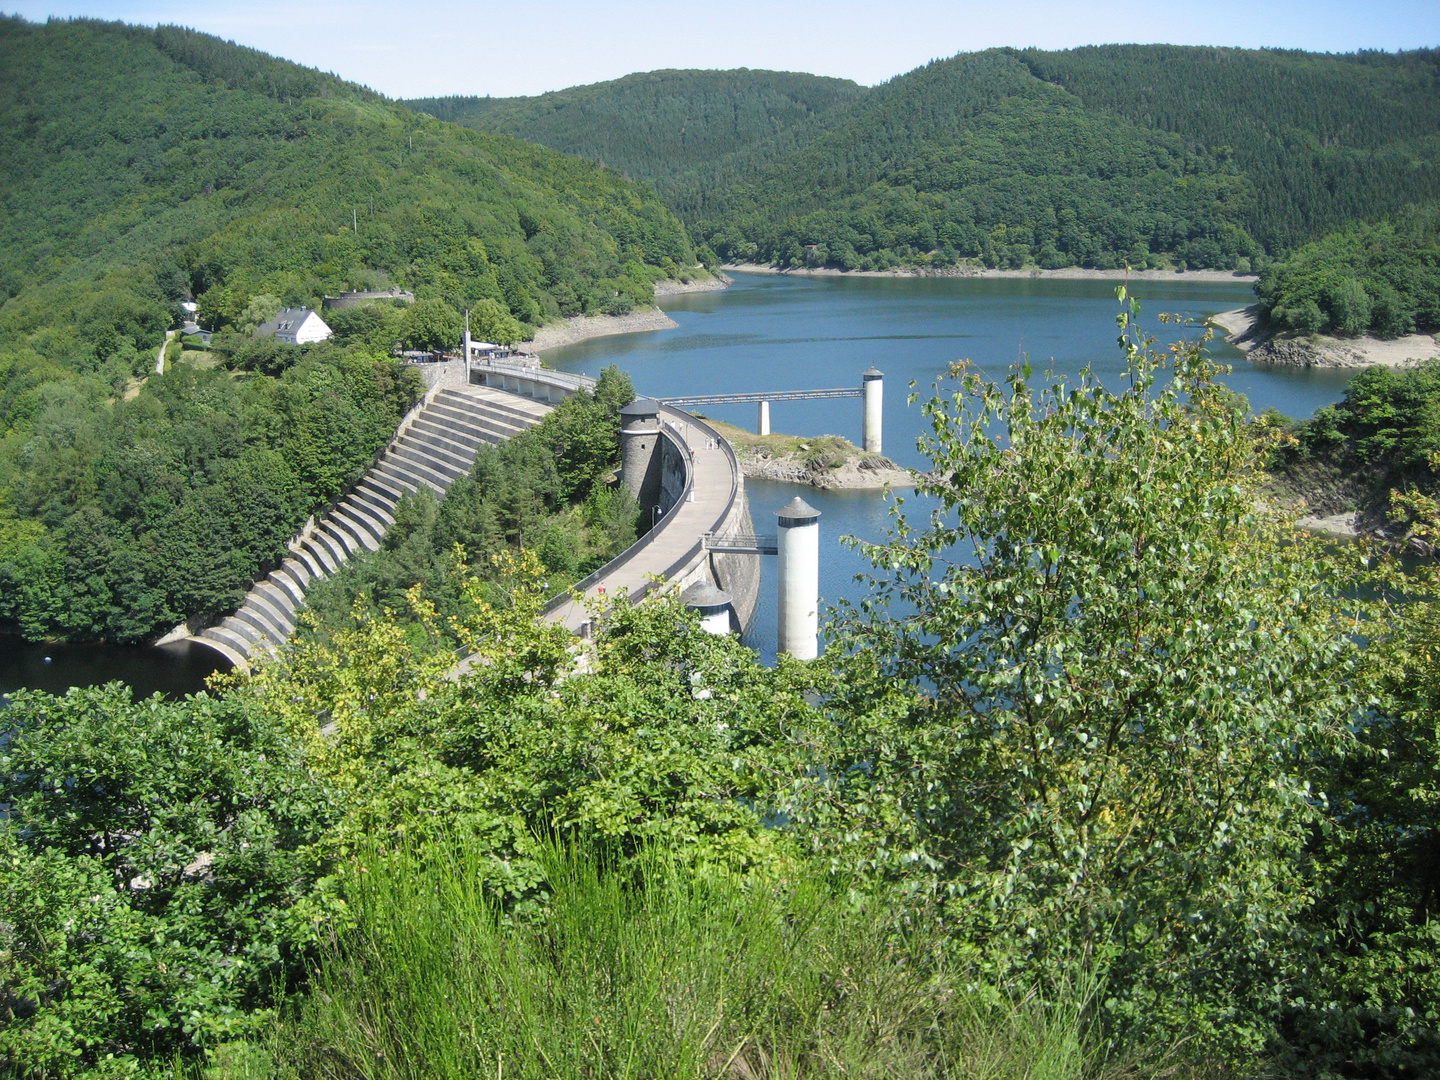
436,448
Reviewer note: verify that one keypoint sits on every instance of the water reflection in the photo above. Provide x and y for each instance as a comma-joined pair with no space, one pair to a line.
174,670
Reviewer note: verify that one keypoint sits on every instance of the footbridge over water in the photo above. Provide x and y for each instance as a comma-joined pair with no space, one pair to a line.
872,389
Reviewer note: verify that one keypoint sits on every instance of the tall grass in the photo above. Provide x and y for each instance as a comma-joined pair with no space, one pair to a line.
641,970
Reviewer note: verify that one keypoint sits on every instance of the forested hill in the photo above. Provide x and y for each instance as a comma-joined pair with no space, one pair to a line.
1325,138
1096,156
145,166
975,157
661,126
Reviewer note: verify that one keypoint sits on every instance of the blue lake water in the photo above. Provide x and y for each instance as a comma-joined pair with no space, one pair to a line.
775,333
768,332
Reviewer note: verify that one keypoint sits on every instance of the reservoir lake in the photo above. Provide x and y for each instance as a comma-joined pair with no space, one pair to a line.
770,332
777,332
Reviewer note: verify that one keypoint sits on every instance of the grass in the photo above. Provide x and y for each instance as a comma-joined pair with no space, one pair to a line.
643,971
820,451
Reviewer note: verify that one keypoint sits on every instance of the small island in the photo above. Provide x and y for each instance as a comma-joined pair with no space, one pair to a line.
822,461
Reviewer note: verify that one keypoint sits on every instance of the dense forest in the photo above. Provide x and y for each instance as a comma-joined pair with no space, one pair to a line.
1138,154
1380,278
675,129
1122,794
1325,138
121,518
146,167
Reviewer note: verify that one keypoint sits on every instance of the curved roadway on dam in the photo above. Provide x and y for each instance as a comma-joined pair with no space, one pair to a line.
675,548
710,501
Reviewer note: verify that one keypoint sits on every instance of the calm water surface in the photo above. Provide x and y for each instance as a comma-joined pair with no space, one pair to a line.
778,333
173,670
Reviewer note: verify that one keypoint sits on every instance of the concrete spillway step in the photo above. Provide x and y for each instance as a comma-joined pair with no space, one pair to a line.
441,451
376,516
437,448
426,461
491,425
483,428
368,527
463,439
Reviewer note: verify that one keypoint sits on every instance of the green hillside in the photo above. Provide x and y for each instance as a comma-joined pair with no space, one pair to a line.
975,157
143,167
1140,154
1324,138
662,125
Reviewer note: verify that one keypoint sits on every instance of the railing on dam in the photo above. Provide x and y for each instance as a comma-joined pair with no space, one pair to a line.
717,507
536,382
703,507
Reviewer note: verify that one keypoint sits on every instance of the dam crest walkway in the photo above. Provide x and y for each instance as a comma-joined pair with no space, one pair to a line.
437,444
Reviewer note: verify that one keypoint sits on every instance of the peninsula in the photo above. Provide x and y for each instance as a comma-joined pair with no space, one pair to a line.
1245,329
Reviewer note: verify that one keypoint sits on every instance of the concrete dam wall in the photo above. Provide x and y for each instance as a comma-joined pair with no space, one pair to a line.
698,490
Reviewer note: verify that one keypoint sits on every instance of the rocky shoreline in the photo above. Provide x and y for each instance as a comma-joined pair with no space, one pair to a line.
1243,329
827,462
1070,273
706,284
583,327
579,328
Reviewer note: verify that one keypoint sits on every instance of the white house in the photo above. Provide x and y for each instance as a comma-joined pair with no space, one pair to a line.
298,326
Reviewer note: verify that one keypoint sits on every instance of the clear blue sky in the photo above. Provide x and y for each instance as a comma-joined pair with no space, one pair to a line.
416,48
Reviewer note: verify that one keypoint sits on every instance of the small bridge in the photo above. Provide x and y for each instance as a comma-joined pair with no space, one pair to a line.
871,389
742,544
696,400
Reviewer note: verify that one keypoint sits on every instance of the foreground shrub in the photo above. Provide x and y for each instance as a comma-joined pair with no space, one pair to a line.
642,969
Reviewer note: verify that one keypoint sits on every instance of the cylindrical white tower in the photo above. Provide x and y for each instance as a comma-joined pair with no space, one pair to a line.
713,605
762,420
799,551
874,409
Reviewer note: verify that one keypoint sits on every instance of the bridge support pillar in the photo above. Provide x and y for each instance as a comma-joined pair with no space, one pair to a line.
762,421
799,559
874,387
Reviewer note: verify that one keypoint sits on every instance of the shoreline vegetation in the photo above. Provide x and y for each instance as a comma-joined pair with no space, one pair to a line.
577,328
827,462
1069,273
1244,329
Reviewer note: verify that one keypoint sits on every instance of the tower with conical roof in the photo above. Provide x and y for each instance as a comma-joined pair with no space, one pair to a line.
799,559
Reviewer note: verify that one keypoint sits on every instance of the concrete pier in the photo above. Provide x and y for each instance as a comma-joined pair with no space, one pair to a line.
762,421
799,600
874,387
